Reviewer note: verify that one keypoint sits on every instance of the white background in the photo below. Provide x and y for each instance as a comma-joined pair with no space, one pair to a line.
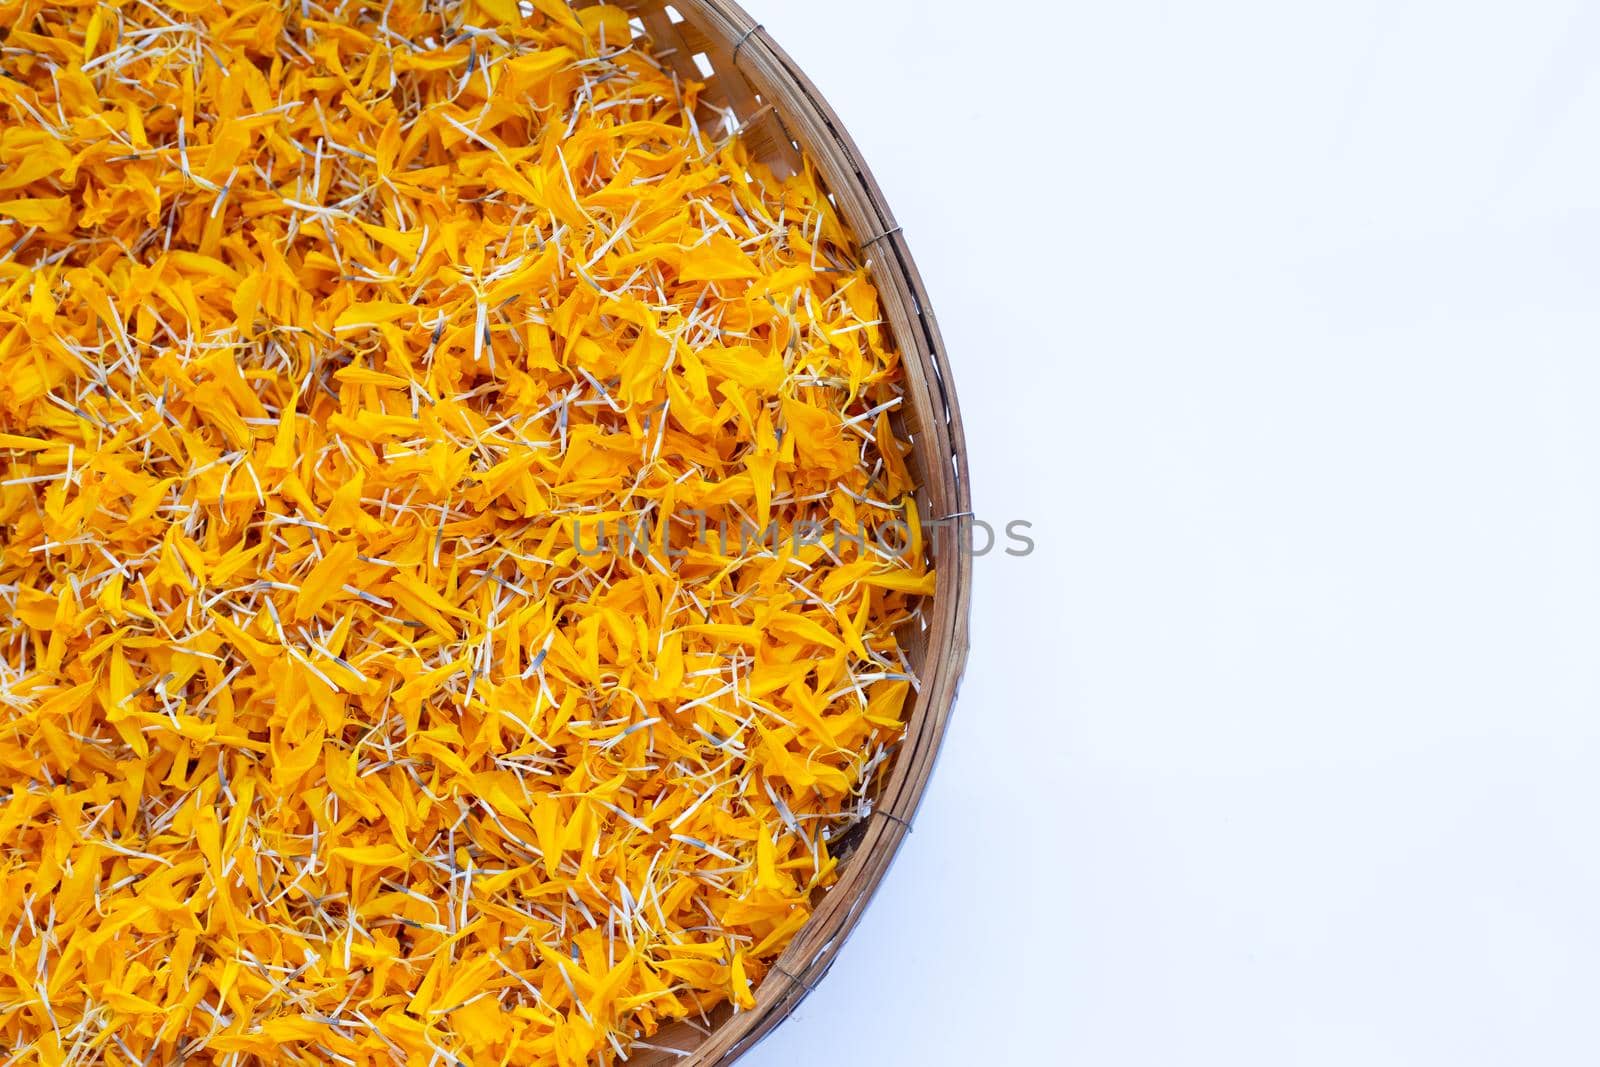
1279,321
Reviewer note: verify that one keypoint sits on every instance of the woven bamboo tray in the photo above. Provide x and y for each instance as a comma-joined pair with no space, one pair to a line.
782,117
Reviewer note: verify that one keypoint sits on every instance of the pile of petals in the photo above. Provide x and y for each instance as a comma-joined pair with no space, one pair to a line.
452,537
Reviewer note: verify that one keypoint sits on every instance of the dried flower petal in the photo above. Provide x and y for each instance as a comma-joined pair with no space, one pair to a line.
448,509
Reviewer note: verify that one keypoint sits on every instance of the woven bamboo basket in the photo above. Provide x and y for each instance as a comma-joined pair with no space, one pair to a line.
783,118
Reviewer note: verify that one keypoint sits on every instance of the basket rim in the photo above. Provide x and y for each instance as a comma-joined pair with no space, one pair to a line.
782,108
